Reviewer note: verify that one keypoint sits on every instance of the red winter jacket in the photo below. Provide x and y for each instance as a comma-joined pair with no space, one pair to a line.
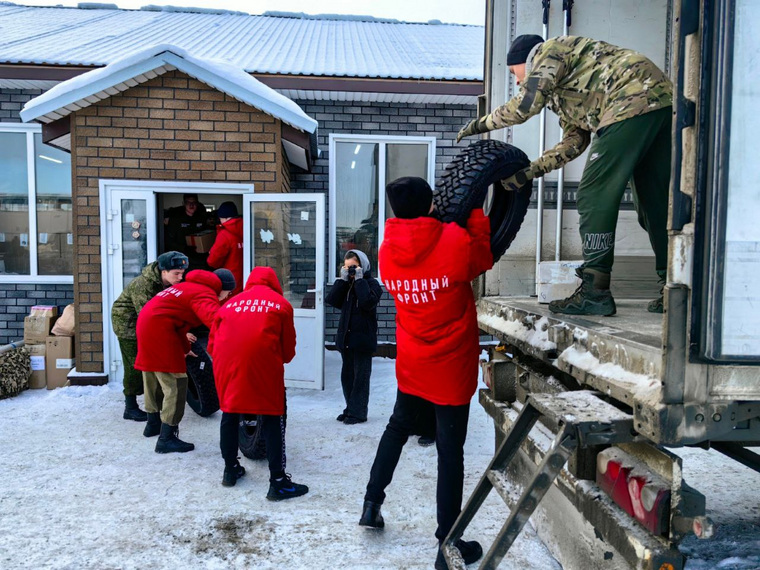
227,251
166,318
427,266
252,339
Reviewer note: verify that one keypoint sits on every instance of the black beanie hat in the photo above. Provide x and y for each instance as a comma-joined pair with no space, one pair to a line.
227,210
410,197
227,278
520,48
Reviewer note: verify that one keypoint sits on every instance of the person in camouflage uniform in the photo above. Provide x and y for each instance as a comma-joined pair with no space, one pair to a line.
166,271
625,101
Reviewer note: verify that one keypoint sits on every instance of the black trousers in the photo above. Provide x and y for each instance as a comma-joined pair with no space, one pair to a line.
354,378
273,432
450,435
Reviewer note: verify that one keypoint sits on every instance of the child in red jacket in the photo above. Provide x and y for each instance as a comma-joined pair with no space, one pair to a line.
427,266
252,339
162,345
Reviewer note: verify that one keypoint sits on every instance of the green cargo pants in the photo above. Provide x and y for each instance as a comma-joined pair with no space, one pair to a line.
174,390
637,150
133,382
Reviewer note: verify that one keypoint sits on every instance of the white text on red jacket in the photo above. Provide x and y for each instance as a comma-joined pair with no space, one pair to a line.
170,291
253,306
416,290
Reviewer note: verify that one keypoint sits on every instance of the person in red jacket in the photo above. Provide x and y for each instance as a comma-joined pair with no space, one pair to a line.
252,339
427,266
227,251
162,345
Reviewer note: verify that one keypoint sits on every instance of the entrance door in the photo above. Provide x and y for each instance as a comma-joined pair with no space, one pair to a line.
130,244
287,233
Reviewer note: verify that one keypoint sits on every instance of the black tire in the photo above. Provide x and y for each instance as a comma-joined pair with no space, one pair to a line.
250,441
201,390
465,186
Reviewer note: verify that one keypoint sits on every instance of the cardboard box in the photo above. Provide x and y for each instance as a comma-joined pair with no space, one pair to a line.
37,329
44,311
557,280
59,360
202,241
38,379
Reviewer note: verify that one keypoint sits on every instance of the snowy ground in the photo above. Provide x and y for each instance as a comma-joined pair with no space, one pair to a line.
81,488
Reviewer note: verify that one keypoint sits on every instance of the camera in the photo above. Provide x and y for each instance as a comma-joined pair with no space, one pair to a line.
352,271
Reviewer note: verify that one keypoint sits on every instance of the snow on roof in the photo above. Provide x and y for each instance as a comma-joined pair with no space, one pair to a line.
276,43
138,67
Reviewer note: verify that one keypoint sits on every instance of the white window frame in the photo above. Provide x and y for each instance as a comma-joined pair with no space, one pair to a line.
382,140
32,277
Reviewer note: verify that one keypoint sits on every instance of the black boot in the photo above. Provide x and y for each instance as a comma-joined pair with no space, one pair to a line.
471,551
658,305
282,488
371,516
592,297
168,442
153,427
132,411
232,473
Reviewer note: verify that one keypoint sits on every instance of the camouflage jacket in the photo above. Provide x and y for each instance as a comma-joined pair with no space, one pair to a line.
133,298
589,84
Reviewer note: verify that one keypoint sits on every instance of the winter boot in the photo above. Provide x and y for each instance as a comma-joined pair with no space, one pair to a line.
371,516
341,417
153,427
132,411
426,441
168,442
283,488
471,551
658,304
592,297
351,420
232,473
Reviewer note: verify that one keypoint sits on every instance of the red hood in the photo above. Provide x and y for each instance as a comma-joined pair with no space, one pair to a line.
205,278
406,241
234,225
263,276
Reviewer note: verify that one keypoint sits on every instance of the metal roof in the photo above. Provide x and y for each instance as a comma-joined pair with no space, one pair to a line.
327,46
146,64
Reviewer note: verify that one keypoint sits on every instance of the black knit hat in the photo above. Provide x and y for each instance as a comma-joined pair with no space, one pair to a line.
172,260
410,197
227,210
520,48
227,278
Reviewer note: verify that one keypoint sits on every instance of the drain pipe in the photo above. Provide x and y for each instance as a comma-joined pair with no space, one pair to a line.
541,148
567,9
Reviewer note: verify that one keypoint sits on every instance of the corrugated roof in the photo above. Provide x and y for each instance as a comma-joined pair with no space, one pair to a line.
258,44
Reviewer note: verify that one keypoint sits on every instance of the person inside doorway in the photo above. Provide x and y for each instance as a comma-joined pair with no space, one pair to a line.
182,221
227,251
625,101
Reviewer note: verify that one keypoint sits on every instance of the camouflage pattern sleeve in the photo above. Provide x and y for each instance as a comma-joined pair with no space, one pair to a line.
574,142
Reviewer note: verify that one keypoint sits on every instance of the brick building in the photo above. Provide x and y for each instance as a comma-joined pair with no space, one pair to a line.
142,139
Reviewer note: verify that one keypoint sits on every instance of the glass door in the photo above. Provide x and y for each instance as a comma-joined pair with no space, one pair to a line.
287,233
130,245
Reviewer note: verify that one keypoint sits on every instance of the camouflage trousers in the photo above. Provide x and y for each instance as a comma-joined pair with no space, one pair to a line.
173,388
636,150
133,382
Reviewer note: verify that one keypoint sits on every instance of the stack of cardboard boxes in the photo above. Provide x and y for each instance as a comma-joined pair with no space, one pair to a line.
52,356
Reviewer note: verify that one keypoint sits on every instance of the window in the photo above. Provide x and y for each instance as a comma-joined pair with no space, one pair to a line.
32,172
360,167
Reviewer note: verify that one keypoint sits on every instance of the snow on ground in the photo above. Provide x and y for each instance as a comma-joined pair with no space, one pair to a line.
81,488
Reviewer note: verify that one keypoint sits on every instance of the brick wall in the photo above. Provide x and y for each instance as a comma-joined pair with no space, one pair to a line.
15,299
170,128
388,119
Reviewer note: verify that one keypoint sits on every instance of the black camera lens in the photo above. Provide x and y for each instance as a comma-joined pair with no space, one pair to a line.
352,270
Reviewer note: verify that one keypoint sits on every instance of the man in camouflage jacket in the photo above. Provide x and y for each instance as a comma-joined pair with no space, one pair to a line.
625,101
166,271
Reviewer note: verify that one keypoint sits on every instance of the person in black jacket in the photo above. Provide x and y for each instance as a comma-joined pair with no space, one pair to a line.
356,294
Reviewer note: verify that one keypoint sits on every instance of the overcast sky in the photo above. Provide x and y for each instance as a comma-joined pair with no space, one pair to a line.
453,11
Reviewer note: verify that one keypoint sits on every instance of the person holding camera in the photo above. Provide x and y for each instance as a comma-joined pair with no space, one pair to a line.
356,293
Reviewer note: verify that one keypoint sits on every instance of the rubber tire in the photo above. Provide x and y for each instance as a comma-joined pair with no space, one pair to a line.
201,389
250,442
464,187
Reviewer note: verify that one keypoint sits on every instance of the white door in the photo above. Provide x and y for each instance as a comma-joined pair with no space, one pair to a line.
287,233
129,245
